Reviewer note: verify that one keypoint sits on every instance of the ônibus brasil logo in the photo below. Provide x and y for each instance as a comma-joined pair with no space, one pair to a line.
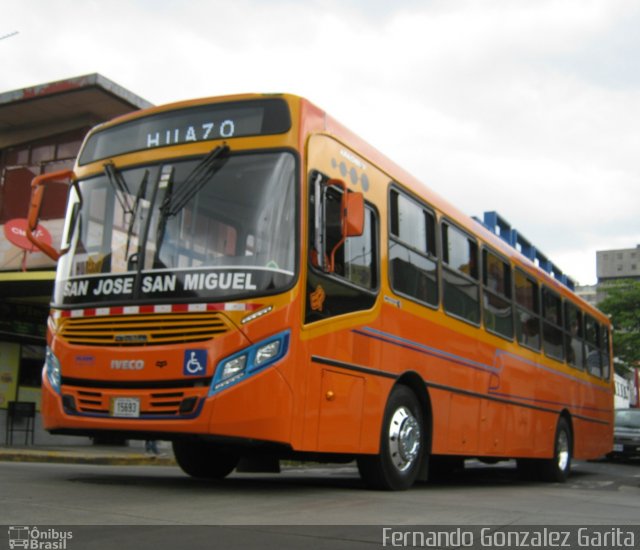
33,538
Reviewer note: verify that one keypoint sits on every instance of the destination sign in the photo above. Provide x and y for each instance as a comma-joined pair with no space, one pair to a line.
190,125
206,283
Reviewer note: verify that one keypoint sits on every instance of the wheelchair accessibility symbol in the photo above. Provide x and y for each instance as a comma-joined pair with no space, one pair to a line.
195,362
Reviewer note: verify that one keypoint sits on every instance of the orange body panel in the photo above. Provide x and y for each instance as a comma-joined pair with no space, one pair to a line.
486,396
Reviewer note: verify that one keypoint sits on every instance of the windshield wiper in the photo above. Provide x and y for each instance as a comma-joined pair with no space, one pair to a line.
174,202
123,194
119,186
142,191
196,180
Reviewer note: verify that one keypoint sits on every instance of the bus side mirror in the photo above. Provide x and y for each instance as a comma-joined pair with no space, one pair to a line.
37,194
350,219
353,214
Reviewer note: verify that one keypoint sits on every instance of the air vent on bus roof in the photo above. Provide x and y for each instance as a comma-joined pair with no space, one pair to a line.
499,226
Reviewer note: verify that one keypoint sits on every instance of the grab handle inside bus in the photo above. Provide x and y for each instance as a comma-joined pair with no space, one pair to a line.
37,195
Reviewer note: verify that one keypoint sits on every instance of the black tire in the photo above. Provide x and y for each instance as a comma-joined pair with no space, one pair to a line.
402,445
443,468
204,460
528,468
558,468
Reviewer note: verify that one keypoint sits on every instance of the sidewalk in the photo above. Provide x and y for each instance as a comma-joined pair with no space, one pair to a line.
89,454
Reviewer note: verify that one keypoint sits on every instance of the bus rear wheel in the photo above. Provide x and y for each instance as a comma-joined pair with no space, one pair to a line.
204,460
558,468
397,465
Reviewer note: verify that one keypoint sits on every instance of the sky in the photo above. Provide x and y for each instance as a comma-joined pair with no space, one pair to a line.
527,107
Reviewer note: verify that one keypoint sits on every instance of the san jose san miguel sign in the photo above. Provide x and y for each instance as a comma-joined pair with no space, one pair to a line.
202,283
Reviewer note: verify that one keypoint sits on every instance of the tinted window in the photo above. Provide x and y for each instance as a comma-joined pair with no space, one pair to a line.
413,268
460,252
412,224
351,285
604,354
593,340
527,311
574,336
628,418
498,311
552,333
358,263
460,274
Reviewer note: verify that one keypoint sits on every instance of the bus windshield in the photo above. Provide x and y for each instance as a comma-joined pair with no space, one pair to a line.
213,229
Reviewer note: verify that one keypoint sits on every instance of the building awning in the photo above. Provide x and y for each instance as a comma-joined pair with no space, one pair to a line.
48,109
32,286
24,305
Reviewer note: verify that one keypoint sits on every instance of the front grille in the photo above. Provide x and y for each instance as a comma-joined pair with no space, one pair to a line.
169,403
200,382
143,330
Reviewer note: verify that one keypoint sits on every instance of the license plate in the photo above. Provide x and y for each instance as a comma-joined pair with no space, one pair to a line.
618,448
125,407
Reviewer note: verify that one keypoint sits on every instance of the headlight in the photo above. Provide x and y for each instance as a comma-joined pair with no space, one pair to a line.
249,361
267,352
234,367
52,369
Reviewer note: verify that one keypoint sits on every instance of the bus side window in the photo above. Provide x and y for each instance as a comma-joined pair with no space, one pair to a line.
527,311
460,283
412,250
593,334
358,258
351,281
355,259
605,358
574,335
552,333
498,311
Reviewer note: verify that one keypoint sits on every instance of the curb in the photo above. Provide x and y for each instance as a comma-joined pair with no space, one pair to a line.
70,457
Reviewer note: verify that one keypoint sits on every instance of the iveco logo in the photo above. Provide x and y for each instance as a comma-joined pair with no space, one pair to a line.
131,338
127,364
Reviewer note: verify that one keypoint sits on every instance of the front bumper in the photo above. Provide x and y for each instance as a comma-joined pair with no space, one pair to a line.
257,408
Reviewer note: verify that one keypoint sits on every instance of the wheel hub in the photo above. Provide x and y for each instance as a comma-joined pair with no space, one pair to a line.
563,451
404,439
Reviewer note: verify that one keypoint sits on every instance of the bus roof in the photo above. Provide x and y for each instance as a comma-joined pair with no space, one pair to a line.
395,173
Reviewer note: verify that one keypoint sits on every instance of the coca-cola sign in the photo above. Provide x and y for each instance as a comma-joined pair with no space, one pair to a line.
16,233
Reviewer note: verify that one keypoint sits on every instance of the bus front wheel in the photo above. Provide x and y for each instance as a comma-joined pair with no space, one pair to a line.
397,465
204,460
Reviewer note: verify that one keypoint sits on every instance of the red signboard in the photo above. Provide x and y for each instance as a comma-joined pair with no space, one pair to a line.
16,233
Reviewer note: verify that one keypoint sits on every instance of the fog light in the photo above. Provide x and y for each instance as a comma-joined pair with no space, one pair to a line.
69,403
188,405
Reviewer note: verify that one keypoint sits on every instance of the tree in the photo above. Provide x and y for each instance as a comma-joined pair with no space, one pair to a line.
622,304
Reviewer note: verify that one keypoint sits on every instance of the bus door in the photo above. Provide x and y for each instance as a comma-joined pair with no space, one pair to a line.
341,286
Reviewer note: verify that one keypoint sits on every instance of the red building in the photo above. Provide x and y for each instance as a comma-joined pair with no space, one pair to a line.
41,130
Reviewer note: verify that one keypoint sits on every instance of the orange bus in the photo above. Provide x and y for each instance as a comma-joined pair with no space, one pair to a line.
247,278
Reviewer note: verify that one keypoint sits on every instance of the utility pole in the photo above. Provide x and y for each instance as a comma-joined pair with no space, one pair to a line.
9,35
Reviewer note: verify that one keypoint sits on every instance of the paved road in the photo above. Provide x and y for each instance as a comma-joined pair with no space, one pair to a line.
158,507
63,494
